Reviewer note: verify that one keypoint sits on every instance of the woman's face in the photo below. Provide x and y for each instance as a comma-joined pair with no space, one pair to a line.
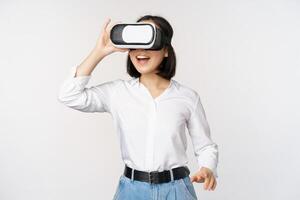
147,61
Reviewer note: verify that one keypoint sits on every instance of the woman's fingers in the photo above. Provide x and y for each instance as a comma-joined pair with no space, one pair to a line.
109,27
206,182
211,182
104,26
214,186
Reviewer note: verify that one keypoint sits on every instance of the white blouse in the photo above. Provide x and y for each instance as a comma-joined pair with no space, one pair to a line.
151,130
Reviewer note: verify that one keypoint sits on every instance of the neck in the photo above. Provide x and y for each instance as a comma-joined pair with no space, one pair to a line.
153,81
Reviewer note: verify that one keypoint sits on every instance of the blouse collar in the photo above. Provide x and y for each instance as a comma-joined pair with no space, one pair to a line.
135,82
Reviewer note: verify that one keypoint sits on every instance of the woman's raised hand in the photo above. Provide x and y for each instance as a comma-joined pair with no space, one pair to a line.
104,45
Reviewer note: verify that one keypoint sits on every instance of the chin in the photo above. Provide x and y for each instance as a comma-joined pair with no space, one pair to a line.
145,69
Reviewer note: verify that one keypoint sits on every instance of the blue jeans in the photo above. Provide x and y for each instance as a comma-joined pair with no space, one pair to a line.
129,189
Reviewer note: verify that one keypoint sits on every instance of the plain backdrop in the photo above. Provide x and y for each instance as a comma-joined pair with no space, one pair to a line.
243,58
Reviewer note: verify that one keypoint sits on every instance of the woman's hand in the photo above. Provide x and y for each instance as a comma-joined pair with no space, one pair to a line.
205,175
104,45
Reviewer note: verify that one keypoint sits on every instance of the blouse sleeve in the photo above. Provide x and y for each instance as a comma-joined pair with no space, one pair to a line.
205,149
74,94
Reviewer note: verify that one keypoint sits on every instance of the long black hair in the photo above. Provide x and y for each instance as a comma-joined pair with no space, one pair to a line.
167,67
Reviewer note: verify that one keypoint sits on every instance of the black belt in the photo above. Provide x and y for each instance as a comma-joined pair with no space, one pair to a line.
155,176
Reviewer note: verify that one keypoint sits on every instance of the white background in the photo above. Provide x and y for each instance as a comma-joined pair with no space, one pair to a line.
243,58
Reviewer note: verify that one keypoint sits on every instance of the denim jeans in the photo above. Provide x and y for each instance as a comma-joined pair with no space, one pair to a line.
129,189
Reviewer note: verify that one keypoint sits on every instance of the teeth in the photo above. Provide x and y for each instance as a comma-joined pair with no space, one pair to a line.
140,57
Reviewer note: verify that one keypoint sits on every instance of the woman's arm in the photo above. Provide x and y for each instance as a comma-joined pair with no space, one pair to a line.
102,48
205,149
74,93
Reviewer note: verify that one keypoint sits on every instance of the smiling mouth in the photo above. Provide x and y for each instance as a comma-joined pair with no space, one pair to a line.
141,59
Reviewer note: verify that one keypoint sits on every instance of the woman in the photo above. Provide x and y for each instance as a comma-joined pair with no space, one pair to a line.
150,111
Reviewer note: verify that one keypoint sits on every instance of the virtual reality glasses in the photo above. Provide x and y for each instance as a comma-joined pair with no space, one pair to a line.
137,36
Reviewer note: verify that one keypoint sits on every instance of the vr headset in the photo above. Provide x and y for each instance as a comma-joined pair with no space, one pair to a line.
137,36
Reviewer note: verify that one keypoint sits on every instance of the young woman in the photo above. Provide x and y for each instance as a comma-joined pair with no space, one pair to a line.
150,112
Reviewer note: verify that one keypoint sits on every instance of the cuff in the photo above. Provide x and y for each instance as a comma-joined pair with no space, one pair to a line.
80,81
210,166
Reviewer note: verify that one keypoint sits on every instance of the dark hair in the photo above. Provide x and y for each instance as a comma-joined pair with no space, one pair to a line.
167,67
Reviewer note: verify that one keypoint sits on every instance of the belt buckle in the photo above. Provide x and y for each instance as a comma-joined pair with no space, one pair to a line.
152,176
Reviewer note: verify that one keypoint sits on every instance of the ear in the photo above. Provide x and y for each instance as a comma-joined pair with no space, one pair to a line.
166,52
